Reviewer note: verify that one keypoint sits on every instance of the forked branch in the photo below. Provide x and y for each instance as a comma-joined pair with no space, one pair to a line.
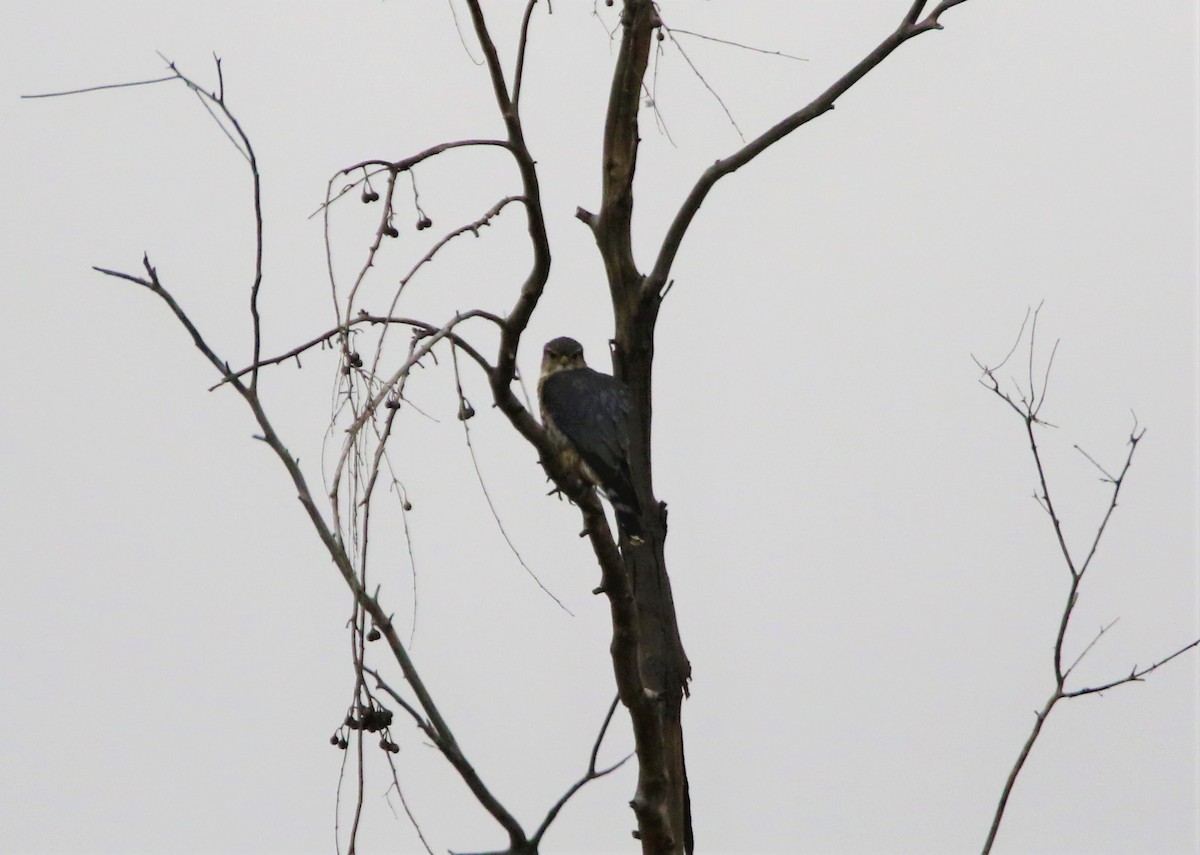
911,26
590,775
430,717
1027,404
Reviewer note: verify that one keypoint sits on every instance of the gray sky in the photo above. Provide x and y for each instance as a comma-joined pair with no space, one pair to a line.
866,588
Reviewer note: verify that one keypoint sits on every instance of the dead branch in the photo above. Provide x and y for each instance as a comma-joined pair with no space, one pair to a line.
336,550
590,775
911,26
465,413
366,603
730,43
1135,675
522,44
407,163
326,338
1027,406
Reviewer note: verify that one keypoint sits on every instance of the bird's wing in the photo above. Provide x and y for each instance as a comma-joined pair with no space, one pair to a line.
591,410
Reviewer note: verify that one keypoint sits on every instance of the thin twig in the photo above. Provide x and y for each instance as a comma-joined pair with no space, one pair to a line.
1047,502
1011,350
393,386
465,412
590,775
910,27
707,85
1135,676
1135,437
778,53
337,803
407,163
1088,649
1110,479
424,726
1027,409
522,44
1011,781
326,337
660,121
341,559
203,100
472,228
461,38
352,846
168,79
404,803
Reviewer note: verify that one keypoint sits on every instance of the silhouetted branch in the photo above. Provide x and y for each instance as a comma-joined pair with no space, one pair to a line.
434,724
209,100
465,413
422,723
404,803
704,82
514,324
1088,649
535,281
436,727
1011,781
473,228
1135,437
912,25
1028,407
522,44
778,53
326,338
392,389
1135,675
407,163
590,775
104,86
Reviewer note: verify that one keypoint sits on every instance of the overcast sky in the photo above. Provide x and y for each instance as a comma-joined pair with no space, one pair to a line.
867,590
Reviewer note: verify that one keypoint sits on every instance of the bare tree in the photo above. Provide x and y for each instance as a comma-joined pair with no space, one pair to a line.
650,665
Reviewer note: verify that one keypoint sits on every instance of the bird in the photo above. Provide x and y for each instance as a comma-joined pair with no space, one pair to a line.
586,416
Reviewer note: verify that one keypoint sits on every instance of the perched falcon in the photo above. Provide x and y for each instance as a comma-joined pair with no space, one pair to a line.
586,414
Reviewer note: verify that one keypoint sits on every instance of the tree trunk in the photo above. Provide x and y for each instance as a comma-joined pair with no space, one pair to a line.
661,803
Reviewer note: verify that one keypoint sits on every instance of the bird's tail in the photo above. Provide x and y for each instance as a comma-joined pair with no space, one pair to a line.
629,518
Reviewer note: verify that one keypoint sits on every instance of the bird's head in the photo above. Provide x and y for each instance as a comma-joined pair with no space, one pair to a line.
562,354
